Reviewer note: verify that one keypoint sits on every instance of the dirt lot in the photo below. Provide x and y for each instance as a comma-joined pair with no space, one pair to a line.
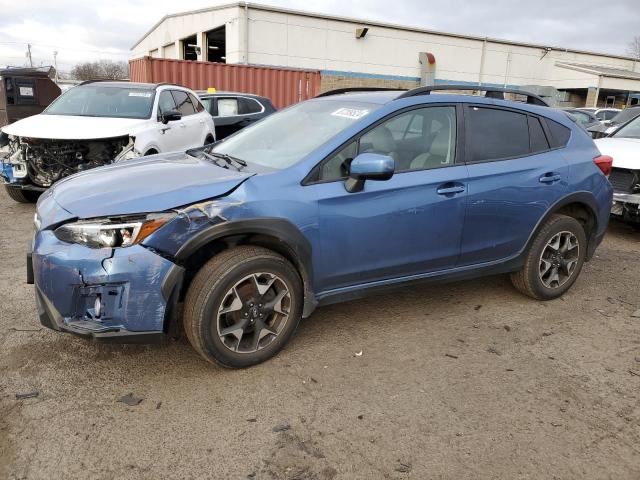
466,380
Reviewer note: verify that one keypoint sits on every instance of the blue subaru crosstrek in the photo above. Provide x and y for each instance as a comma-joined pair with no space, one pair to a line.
345,195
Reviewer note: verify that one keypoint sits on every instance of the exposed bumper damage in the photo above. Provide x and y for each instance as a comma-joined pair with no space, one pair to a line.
35,163
124,295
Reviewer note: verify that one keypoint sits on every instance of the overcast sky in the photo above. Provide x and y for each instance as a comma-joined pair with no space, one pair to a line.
81,30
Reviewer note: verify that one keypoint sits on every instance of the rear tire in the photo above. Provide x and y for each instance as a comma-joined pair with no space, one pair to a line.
22,196
243,306
554,259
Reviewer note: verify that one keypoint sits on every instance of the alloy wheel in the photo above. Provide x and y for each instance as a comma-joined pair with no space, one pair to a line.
253,312
559,259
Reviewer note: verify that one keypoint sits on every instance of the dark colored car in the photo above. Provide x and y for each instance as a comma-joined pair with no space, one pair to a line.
233,111
332,199
24,92
584,118
625,116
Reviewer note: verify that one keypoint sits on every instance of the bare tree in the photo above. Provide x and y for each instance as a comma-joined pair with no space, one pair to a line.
633,47
100,70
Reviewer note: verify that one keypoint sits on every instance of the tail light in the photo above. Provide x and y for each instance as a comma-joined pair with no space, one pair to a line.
604,163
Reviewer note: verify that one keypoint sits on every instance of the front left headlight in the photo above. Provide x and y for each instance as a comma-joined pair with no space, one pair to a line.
112,232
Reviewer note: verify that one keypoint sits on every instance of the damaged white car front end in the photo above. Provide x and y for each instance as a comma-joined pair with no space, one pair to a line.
625,176
37,163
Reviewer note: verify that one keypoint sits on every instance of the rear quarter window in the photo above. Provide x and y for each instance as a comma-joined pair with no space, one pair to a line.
559,134
537,137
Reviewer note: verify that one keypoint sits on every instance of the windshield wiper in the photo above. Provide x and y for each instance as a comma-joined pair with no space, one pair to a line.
227,158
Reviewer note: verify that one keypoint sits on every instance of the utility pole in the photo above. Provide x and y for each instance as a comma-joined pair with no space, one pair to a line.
55,63
29,55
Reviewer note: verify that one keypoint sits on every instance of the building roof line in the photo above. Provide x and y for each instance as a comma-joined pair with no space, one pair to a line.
600,71
269,8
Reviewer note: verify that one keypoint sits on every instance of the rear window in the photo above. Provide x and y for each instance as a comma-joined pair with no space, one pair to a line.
249,105
559,134
494,134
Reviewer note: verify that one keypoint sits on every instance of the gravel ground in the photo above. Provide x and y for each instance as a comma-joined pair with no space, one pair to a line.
464,380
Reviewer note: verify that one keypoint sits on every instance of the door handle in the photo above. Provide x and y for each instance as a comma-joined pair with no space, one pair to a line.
550,177
182,125
450,189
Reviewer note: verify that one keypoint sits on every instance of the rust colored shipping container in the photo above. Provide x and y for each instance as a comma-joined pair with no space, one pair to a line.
283,86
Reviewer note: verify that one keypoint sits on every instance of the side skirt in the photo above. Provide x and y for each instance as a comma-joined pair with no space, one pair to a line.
385,286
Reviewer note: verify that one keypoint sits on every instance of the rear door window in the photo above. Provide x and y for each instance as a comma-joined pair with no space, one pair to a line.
227,107
26,90
495,134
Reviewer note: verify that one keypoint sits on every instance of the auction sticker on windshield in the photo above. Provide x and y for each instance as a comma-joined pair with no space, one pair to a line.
353,113
140,94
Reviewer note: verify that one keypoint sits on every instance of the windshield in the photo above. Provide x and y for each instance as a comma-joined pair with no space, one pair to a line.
286,137
626,115
630,130
95,100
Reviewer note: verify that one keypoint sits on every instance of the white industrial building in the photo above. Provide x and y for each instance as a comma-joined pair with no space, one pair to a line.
352,52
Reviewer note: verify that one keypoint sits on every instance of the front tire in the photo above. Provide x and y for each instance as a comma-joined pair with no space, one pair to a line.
243,306
22,196
554,259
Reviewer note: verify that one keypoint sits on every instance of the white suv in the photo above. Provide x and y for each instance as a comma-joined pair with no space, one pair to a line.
97,123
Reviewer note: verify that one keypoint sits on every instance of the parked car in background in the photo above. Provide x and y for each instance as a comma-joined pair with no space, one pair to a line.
24,92
624,116
602,114
97,123
584,118
332,199
234,111
624,147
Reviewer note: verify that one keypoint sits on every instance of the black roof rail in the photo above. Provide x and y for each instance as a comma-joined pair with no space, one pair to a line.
339,91
491,92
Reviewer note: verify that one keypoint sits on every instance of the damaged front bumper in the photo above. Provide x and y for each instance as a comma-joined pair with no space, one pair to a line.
15,174
124,295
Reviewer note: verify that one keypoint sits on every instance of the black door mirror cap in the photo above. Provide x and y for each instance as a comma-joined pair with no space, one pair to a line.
170,116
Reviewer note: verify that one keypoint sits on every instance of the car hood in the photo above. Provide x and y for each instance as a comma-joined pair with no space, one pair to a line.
625,151
149,184
69,127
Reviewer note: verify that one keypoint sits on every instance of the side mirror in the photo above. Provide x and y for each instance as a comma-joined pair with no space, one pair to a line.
170,116
368,166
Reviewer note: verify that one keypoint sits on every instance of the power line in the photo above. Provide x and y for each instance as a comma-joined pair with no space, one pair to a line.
43,45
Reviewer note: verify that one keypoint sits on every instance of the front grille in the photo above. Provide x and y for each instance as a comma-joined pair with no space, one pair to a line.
623,180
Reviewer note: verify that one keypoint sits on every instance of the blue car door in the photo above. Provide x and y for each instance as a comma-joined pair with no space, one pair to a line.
514,177
408,225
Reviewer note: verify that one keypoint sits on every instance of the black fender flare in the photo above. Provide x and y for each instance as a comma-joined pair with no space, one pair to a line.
289,237
585,198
